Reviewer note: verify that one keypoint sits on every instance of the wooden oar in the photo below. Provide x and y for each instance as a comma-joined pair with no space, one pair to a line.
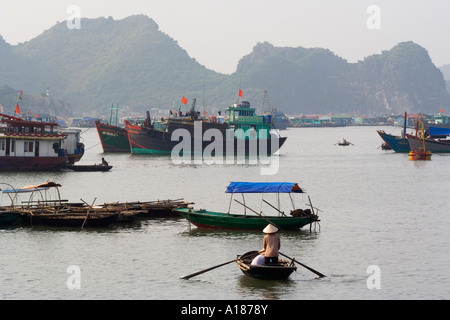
206,270
212,268
305,266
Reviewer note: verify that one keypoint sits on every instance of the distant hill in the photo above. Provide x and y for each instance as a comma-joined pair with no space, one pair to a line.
133,63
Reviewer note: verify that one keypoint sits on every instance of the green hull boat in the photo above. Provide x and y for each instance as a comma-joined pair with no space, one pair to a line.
217,220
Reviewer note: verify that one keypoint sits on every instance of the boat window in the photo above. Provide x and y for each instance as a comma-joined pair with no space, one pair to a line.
2,144
28,146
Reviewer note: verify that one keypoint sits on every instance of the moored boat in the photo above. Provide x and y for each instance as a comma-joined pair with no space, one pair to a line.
220,220
397,143
281,270
114,139
244,134
90,168
30,145
432,145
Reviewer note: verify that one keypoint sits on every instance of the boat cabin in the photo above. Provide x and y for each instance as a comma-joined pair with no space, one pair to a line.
243,117
29,145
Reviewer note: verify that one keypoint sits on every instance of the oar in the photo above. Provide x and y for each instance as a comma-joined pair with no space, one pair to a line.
305,266
212,268
209,269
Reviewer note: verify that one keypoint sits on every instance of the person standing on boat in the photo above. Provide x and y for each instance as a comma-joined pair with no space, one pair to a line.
271,244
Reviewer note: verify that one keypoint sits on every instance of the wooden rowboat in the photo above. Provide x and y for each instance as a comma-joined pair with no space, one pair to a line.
88,168
71,219
282,270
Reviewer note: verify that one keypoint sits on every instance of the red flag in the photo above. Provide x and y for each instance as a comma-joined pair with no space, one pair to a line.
442,110
17,109
240,93
183,100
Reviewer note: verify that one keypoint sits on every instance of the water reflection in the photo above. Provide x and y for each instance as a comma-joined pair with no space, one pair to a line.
265,289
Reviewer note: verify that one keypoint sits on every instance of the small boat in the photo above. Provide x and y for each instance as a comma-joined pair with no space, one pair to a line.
71,219
218,220
94,167
282,270
344,142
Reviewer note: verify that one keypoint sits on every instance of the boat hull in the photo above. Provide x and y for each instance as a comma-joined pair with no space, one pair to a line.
88,168
216,220
151,141
279,271
431,145
71,219
397,143
114,139
8,163
8,218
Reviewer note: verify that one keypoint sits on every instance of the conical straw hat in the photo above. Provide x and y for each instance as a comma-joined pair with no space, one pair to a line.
270,229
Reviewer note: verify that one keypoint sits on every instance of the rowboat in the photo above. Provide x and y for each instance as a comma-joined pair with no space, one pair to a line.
282,270
90,168
71,219
220,220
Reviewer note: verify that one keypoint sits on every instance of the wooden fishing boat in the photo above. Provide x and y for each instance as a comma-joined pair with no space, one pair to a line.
90,168
282,270
344,142
70,219
218,220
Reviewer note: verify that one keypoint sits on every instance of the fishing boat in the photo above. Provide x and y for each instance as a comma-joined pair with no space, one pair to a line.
344,142
431,145
245,133
399,144
219,220
30,145
87,167
282,270
114,138
71,219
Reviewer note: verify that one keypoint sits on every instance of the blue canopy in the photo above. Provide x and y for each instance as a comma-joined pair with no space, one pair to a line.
263,187
437,131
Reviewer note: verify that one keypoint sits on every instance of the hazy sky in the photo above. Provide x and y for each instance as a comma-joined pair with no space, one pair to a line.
217,33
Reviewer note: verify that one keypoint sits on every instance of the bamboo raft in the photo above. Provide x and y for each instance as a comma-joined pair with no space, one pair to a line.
44,211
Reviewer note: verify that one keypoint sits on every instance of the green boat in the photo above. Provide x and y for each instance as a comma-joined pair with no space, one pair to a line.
218,220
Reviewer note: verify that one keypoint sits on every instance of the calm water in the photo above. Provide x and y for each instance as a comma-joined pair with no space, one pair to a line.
378,208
